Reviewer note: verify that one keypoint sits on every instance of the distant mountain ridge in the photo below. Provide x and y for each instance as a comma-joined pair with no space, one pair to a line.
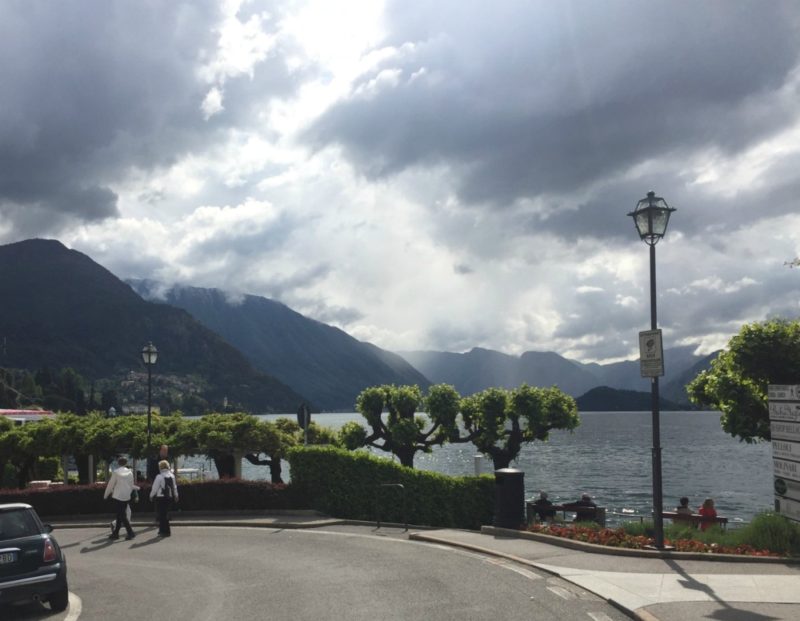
320,361
68,311
605,399
480,368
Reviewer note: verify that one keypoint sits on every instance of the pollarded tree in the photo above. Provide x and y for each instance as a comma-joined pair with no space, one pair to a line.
736,384
220,436
402,433
498,422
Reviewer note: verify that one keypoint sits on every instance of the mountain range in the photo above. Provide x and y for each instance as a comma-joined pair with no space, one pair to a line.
480,368
325,364
251,351
61,309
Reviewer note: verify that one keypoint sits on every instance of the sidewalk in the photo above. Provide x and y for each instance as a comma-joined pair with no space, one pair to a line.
670,589
645,587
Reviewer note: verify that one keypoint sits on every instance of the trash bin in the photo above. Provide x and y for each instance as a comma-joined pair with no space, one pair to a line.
509,498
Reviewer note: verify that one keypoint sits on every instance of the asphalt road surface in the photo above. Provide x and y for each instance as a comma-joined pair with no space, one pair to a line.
348,573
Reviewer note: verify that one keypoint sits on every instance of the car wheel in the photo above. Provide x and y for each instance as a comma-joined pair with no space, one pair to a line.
59,600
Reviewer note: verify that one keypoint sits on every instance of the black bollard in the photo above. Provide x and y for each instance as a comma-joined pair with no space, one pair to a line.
509,498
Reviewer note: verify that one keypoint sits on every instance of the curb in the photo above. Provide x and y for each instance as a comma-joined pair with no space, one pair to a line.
594,548
633,614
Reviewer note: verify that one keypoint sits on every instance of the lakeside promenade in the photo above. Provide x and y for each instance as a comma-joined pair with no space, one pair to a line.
641,584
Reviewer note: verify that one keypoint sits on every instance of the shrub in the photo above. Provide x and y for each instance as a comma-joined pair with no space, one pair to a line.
352,485
223,494
772,531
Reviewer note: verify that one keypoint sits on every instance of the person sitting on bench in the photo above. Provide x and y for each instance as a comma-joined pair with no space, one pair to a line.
683,510
588,513
543,507
708,514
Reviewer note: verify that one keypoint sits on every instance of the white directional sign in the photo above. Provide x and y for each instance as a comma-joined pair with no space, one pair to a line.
786,469
787,411
783,392
787,488
651,356
789,508
783,449
784,426
785,431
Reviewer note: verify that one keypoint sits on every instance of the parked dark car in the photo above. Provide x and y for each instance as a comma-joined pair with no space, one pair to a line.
32,565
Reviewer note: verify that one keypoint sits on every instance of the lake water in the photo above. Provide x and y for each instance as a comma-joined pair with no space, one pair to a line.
609,456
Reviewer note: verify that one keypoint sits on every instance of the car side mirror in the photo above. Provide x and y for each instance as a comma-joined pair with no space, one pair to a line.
48,528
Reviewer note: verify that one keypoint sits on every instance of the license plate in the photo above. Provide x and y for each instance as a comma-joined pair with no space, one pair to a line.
7,557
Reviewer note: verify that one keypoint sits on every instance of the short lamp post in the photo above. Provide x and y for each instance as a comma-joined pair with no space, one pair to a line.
149,356
651,217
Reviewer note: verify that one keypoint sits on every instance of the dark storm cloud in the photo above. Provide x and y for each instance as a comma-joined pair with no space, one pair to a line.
529,99
94,90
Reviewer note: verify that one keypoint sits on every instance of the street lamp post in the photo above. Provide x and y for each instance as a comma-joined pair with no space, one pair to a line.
149,356
651,217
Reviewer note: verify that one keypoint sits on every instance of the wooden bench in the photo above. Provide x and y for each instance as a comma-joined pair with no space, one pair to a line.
598,513
695,519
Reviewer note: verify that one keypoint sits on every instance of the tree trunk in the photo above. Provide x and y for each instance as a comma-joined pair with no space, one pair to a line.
224,464
501,459
406,457
275,470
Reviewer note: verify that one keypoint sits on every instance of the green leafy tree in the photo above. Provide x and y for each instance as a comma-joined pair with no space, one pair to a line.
403,433
220,436
498,422
736,384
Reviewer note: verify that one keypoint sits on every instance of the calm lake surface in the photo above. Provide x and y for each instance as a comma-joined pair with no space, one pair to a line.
609,456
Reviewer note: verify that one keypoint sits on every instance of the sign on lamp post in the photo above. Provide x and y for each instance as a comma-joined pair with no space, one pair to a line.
651,356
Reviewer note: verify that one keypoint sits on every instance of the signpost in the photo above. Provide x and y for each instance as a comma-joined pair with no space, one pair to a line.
784,416
651,357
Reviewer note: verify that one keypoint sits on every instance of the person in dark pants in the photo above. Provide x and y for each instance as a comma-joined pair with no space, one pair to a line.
120,487
164,492
152,462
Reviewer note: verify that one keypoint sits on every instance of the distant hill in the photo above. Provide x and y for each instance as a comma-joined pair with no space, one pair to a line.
605,399
676,389
479,369
626,375
324,363
61,309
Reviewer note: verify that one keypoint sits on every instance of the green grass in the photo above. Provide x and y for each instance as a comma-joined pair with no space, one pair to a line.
767,531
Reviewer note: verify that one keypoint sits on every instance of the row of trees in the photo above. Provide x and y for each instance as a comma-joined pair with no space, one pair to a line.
218,436
497,421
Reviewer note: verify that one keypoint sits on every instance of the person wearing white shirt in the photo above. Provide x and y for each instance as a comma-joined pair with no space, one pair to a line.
120,487
164,492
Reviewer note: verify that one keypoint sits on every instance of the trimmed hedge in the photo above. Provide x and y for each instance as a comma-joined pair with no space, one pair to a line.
222,494
347,484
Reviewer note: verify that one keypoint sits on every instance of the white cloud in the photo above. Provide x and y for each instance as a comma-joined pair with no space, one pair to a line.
423,175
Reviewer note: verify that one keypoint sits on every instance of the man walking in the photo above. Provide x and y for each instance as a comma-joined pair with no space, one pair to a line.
120,488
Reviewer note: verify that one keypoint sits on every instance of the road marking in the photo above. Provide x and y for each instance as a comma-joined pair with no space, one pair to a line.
561,592
599,616
75,607
522,571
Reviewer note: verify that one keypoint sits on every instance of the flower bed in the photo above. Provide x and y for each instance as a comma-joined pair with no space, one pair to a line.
618,538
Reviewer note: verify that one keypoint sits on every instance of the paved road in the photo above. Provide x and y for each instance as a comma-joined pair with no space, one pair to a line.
353,573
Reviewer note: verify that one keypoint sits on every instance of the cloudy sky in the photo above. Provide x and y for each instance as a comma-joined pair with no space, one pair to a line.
424,175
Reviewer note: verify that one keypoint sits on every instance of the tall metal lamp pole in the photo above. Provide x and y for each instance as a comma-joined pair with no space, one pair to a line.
651,217
149,356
